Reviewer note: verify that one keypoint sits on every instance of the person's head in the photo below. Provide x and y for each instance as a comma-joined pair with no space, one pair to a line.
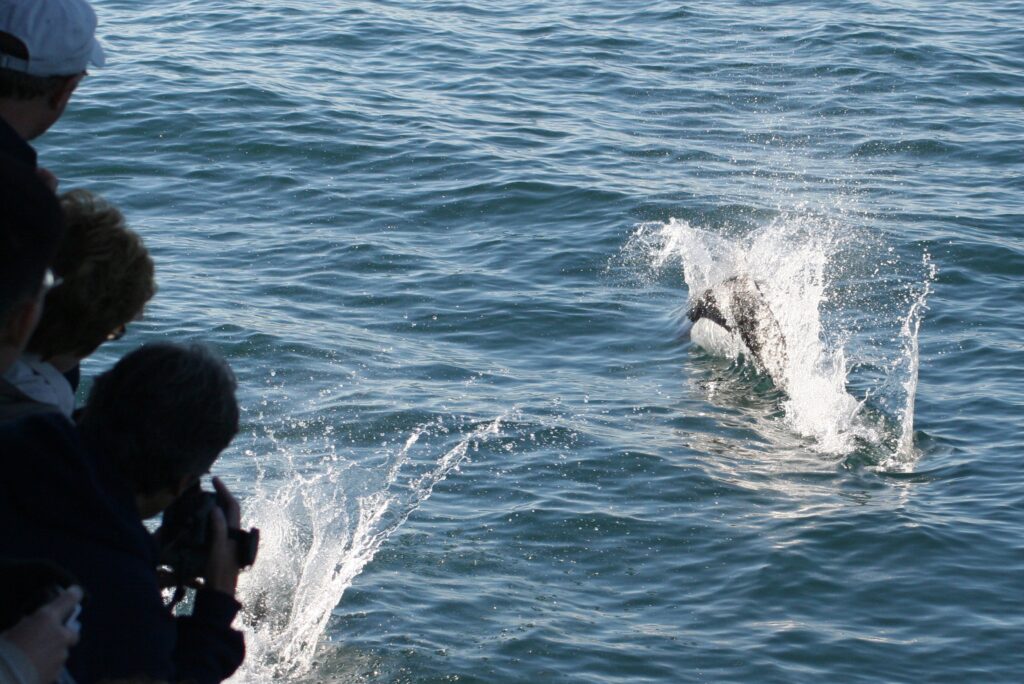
106,279
161,416
31,226
45,48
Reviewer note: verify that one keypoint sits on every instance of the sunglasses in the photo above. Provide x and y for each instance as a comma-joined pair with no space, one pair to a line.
118,332
50,281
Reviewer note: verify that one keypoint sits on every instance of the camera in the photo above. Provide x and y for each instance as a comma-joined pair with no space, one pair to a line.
185,537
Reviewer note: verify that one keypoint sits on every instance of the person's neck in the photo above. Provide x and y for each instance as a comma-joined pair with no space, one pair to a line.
21,115
8,355
64,362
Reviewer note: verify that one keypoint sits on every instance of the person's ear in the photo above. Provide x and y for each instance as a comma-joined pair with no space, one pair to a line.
59,99
184,484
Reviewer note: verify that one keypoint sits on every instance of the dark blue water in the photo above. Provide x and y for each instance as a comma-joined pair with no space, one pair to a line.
446,247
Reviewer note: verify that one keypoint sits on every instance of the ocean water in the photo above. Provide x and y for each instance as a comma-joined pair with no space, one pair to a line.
447,247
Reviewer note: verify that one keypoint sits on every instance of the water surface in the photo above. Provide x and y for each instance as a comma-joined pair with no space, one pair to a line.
446,246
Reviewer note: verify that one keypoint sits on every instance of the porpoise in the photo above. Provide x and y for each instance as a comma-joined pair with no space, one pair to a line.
737,308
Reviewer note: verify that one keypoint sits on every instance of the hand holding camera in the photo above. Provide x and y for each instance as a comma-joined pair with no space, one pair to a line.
224,562
200,537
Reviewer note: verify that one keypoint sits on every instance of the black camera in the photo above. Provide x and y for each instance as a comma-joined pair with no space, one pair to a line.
185,537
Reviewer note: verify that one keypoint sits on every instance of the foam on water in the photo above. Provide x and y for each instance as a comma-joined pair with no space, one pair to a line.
793,260
319,530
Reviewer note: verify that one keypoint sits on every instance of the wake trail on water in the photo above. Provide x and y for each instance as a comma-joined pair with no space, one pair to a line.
318,532
797,262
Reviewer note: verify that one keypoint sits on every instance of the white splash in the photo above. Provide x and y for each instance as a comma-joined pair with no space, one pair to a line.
905,456
791,259
318,532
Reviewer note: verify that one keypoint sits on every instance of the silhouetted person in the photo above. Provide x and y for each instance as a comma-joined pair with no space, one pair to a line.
153,425
45,48
31,226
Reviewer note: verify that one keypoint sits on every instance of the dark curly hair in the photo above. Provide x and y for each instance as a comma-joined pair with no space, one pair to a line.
162,413
108,278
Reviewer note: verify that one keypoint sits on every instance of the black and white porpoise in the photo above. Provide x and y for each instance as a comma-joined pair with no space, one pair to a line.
733,318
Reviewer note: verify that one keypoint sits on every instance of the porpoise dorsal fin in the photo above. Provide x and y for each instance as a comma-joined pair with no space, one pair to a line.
707,307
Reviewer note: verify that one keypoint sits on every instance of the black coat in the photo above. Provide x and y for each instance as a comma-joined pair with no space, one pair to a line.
15,146
60,503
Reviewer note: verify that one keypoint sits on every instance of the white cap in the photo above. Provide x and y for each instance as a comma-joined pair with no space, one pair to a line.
60,36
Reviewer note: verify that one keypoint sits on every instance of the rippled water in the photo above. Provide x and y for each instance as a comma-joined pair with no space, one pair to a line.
476,445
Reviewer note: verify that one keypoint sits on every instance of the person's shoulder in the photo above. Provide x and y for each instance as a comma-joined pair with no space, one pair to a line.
42,444
50,485
41,382
15,404
15,148
39,430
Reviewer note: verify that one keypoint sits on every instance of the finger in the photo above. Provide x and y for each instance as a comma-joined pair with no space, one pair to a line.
64,605
233,511
219,525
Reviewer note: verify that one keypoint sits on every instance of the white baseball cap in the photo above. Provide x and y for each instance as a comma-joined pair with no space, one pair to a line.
60,36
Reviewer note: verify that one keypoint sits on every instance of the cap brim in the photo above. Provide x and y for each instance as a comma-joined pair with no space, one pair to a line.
97,57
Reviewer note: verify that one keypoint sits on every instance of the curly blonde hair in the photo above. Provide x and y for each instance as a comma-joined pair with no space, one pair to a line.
107,279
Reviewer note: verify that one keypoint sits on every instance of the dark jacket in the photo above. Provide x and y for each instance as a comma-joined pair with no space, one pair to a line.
16,404
14,146
11,143
60,503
